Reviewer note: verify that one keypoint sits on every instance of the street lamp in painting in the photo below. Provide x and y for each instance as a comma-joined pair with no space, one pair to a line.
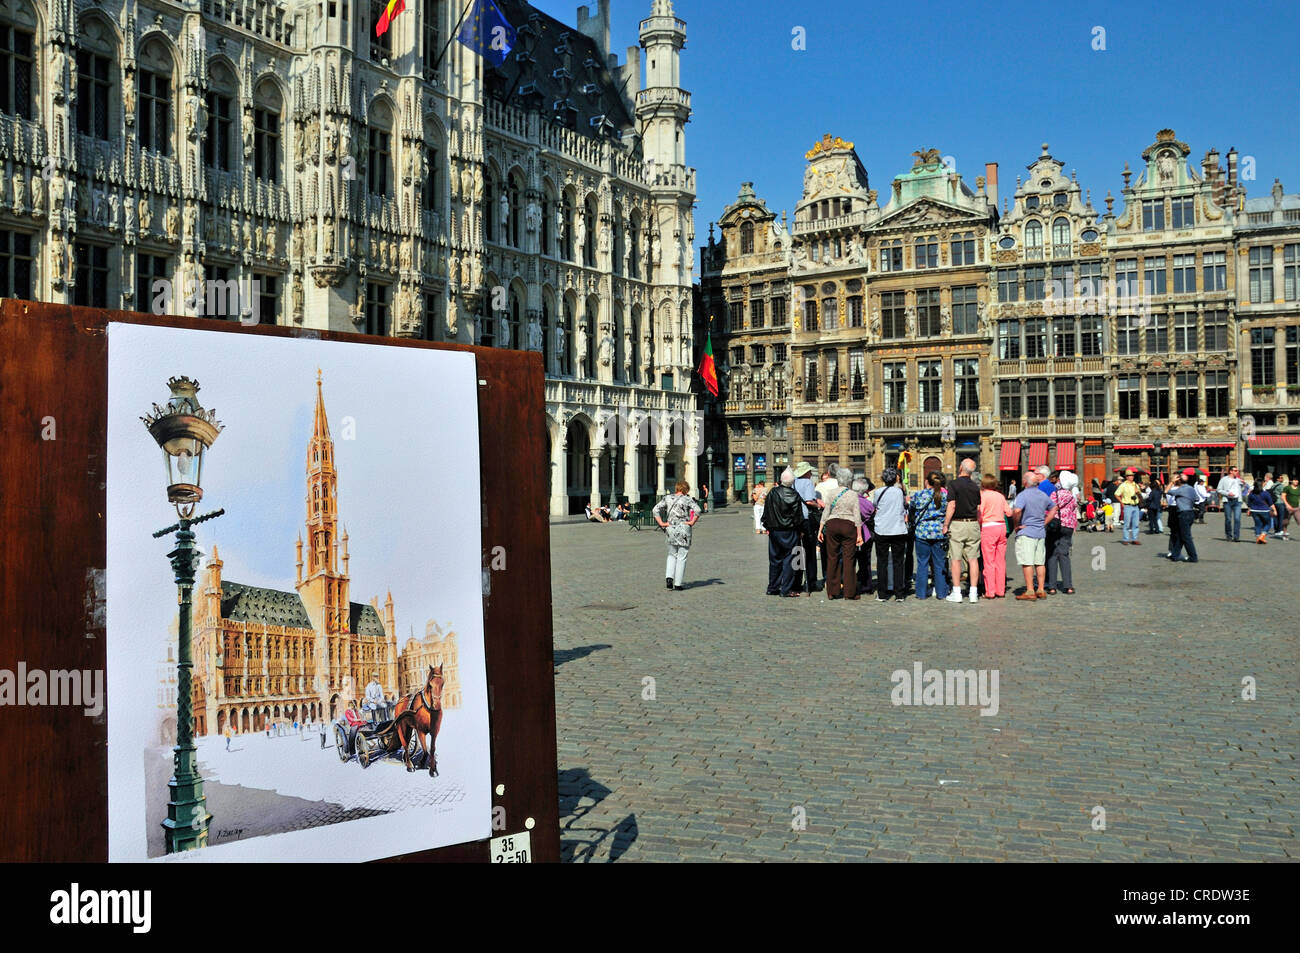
184,431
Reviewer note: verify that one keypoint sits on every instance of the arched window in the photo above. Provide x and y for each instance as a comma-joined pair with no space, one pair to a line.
567,216
381,47
154,81
267,107
593,329
379,162
1033,235
17,45
618,342
747,238
516,213
548,211
548,336
219,142
617,244
1061,234
516,321
487,320
589,243
569,355
97,76
634,333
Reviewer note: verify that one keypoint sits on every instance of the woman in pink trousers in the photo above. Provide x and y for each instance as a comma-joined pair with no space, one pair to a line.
994,511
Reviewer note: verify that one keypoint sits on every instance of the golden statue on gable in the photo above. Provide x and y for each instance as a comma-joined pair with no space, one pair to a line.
827,144
927,157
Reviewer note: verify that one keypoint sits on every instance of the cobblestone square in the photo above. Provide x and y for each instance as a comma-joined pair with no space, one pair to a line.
764,712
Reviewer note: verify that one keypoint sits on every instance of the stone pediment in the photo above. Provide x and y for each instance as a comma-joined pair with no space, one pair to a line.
925,213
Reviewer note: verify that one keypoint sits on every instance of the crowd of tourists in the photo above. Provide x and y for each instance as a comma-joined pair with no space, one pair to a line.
949,539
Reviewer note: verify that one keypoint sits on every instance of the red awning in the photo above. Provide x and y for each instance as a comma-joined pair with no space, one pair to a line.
1274,441
1038,454
1009,455
1134,446
1198,446
1065,456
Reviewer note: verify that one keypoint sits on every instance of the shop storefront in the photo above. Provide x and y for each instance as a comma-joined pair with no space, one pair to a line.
1273,453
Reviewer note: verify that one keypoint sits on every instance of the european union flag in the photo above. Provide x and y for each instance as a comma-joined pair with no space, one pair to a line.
488,33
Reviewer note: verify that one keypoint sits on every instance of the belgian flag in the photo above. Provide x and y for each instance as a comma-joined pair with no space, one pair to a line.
709,370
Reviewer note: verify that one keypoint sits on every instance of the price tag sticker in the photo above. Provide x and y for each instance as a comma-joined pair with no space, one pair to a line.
512,849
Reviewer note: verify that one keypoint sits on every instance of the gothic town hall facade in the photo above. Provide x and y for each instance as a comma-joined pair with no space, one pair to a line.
274,161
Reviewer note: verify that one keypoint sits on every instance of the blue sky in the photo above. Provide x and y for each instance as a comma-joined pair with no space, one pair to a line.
979,84
384,408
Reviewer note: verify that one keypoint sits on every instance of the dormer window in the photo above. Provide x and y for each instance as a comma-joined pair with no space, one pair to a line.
1031,202
1060,200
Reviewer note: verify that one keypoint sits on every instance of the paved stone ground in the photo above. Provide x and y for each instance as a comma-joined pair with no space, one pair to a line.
271,785
1126,696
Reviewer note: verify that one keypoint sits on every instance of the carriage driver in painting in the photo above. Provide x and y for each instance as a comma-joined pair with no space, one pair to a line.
374,703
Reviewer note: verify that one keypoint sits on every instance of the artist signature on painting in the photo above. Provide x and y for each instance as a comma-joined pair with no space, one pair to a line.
234,833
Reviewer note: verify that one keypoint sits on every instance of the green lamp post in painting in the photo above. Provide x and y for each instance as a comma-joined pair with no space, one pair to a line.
184,431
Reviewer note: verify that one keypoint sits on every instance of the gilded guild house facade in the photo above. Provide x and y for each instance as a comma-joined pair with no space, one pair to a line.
274,161
1163,336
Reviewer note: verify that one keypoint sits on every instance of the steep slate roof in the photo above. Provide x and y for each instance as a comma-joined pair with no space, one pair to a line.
539,38
241,603
364,620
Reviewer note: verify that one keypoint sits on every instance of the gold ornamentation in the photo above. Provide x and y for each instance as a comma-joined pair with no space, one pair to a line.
827,144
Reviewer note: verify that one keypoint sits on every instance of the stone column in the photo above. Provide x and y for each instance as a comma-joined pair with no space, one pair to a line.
595,455
631,482
661,454
689,468
559,475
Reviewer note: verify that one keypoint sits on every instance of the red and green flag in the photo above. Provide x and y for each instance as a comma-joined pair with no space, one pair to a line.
709,370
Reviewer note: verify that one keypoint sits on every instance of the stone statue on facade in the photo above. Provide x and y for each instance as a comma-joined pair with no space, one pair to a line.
172,223
534,335
503,330
559,344
451,318
533,218
909,315
581,342
579,232
503,204
478,184
297,295
606,350
856,255
146,215
191,222
20,194
799,259
38,195
945,320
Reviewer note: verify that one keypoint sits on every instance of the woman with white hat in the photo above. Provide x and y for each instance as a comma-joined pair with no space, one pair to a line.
1067,511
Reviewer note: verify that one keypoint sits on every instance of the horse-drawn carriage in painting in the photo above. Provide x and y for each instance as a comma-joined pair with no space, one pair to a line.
369,741
403,727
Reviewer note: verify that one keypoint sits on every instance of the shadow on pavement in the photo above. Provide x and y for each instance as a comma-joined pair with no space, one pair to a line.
700,583
582,651
581,844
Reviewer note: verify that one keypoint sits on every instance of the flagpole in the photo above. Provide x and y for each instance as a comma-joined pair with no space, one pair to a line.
455,30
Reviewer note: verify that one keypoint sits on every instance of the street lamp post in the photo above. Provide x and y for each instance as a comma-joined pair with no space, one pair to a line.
1156,449
708,454
184,431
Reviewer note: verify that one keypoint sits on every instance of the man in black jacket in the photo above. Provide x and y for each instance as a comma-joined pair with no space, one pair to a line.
783,520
